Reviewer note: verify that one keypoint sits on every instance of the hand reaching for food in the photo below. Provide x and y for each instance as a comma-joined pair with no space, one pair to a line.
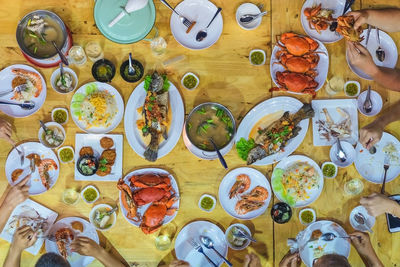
360,57
371,134
377,204
24,237
5,130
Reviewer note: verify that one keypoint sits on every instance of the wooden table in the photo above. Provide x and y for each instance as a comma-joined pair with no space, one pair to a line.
226,77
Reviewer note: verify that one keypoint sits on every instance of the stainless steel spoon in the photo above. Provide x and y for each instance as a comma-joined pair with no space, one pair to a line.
331,236
203,33
360,219
208,243
380,53
368,103
131,69
241,234
248,18
27,105
62,56
340,154
220,157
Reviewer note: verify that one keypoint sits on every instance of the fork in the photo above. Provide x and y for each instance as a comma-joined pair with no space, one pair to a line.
18,89
184,20
199,248
385,167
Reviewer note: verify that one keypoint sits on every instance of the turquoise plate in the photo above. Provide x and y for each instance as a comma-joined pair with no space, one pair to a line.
131,28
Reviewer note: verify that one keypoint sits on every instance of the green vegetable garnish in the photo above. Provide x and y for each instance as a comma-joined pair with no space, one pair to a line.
244,146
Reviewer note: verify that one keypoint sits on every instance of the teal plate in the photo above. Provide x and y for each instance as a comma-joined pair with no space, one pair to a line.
131,28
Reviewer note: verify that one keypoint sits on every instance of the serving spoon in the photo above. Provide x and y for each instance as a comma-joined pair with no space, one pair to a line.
208,243
203,33
248,18
220,157
27,105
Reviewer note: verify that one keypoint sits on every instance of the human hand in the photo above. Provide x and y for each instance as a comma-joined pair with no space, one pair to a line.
290,260
85,246
5,130
362,243
360,57
371,134
251,260
179,263
360,17
377,204
17,194
23,238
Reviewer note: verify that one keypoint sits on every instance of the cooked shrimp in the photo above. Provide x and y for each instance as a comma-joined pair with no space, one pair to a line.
242,184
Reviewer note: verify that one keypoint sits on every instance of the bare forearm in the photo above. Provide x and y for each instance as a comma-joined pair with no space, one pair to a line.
13,258
109,260
385,19
388,78
391,115
6,211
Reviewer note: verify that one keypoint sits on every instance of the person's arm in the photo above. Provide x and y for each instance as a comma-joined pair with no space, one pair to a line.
362,244
86,246
385,19
372,133
290,260
377,204
23,238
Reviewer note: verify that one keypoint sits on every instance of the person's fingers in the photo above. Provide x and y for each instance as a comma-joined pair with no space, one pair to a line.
361,48
23,229
23,181
246,260
372,142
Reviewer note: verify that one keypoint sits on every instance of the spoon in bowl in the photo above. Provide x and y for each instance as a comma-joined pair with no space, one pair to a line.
380,53
248,18
220,157
203,33
367,106
340,154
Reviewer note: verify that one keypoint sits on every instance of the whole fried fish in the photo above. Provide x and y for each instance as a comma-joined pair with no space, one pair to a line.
275,137
155,111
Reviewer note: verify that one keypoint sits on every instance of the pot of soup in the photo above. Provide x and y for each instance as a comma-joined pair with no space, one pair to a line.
209,121
37,30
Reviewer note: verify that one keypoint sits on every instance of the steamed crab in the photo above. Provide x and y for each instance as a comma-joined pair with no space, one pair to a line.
295,82
318,18
345,28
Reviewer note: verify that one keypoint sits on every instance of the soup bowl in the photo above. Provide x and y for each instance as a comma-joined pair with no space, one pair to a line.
206,153
23,24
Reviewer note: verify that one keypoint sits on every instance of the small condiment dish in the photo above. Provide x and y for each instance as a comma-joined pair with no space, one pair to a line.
358,88
248,8
92,213
195,76
376,100
62,148
336,169
86,188
51,124
307,210
138,68
370,220
210,196
245,228
348,149
257,50
103,77
56,74
55,110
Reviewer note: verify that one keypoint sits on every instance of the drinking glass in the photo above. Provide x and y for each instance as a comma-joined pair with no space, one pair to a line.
158,44
76,55
93,51
353,187
70,196
164,239
334,85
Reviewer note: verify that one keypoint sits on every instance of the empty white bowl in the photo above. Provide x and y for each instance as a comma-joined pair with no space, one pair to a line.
376,100
92,212
248,8
50,124
56,74
348,149
244,227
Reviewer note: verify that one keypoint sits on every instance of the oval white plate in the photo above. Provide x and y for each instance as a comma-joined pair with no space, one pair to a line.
134,135
200,11
118,117
13,162
314,193
256,178
322,67
387,44
75,259
185,251
270,106
6,77
141,210
370,167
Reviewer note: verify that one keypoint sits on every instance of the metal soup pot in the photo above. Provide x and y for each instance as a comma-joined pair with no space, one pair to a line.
23,23
199,152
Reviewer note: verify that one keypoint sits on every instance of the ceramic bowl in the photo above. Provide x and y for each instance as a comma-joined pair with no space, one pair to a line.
56,74
244,227
348,149
257,50
54,110
210,196
376,100
248,8
92,213
312,211
86,188
195,76
336,169
358,88
66,147
41,132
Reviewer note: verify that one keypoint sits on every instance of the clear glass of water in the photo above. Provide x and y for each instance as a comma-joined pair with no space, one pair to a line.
76,55
70,196
164,239
353,187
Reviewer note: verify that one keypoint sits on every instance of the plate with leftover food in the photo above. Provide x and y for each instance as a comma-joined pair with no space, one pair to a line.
98,157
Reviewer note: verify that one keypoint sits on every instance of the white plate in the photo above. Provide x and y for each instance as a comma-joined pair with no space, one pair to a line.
6,77
141,210
200,11
322,67
185,251
340,246
13,162
314,193
349,105
348,150
7,233
270,106
134,135
75,259
370,220
370,167
256,178
388,45
93,140
376,100
325,36
118,117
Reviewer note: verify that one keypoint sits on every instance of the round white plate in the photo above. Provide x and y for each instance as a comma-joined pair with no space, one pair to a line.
314,193
141,210
13,162
340,246
376,100
75,259
370,220
325,36
370,167
348,149
269,106
118,117
200,11
388,45
322,67
6,77
185,251
256,178
134,135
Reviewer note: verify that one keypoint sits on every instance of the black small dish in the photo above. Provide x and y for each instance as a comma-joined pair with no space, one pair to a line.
109,70
87,157
281,213
124,71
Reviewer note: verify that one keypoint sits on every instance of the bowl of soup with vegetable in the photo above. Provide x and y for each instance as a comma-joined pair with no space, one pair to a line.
37,31
210,121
